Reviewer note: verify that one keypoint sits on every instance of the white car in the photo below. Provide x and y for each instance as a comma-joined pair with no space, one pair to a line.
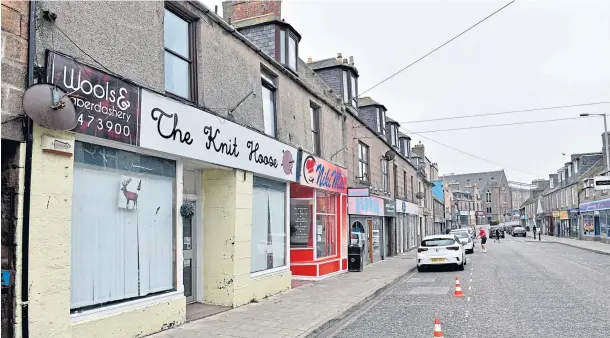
464,236
441,250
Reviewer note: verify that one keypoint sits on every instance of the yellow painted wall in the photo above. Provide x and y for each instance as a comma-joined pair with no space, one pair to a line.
50,250
134,323
50,259
227,227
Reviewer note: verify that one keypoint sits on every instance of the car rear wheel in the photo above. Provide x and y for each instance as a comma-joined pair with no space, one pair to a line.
461,266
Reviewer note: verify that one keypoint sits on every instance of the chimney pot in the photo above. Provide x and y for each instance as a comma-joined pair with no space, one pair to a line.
339,57
351,60
345,62
309,60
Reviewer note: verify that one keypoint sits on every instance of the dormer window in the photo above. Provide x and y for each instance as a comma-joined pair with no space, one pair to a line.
394,135
350,89
552,182
576,166
569,171
406,147
288,49
380,116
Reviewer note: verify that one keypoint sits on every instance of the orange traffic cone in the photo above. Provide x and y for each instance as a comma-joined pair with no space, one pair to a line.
438,332
458,288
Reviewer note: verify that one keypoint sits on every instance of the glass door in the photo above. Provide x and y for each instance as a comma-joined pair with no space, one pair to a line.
188,235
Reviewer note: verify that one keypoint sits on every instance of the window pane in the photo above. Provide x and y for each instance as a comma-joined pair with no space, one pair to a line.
292,53
326,236
345,87
268,240
176,34
269,111
353,92
177,76
122,225
325,203
382,121
283,46
378,120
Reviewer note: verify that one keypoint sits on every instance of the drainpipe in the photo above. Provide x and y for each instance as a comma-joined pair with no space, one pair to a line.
27,183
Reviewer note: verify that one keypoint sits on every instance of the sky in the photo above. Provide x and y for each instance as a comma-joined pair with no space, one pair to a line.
532,54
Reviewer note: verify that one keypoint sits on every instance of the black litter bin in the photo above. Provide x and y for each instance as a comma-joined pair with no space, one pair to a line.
354,258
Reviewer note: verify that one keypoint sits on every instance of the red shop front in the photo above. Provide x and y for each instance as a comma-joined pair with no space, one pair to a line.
318,219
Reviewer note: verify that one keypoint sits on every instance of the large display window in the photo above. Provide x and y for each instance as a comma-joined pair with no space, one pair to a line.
326,226
269,240
123,233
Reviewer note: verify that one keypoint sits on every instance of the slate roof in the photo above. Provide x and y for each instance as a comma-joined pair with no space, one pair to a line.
367,101
592,171
329,63
482,179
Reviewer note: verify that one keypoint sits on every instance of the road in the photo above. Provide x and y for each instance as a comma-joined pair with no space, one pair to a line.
519,288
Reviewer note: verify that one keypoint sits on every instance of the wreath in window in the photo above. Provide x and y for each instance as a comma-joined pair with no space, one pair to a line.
187,210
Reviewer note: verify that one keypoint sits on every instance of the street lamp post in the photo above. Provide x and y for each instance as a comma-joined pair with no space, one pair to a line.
605,138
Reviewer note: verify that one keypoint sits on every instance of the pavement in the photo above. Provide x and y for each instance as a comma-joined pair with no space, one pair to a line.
601,248
519,288
303,311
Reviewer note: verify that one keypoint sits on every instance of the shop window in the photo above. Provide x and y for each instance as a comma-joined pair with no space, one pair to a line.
179,55
268,240
326,224
123,231
269,94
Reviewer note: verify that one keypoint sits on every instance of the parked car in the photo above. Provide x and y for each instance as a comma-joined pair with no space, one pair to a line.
492,231
519,231
441,250
464,236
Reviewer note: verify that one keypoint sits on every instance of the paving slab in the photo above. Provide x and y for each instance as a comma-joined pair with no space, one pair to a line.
302,311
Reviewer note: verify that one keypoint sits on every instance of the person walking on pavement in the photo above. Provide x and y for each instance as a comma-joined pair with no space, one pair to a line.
483,236
498,234
534,231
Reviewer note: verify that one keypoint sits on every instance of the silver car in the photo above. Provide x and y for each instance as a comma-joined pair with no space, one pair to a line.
519,231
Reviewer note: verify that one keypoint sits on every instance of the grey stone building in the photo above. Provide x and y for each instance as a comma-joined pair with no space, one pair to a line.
493,188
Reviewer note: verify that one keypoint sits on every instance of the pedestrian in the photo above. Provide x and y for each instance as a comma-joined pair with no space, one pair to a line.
534,231
498,234
483,236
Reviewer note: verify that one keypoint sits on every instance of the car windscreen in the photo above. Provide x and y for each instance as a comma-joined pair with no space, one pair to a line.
437,242
460,234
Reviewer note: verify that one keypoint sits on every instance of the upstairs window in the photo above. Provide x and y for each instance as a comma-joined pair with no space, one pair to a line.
380,117
569,172
268,91
576,166
385,178
314,112
350,91
363,162
378,120
288,49
488,196
552,183
394,135
179,55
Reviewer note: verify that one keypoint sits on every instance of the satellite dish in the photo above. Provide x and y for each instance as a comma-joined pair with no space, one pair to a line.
50,107
390,155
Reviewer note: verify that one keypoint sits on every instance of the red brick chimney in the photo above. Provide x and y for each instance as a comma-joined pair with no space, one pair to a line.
237,10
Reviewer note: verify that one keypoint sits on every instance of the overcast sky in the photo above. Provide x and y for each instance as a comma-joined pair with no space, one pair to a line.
532,54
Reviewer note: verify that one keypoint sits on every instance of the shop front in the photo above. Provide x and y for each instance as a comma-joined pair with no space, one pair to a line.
564,225
162,204
573,223
596,220
407,220
389,230
318,219
555,224
367,223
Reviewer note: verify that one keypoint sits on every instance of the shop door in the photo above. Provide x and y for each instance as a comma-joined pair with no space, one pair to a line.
369,230
359,237
188,249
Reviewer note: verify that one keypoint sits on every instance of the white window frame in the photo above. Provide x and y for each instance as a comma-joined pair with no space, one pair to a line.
382,114
385,176
121,307
286,267
569,171
378,119
393,136
575,166
268,82
345,86
552,185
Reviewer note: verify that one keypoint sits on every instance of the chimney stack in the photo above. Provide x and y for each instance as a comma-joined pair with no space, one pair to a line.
351,60
236,10
309,60
339,58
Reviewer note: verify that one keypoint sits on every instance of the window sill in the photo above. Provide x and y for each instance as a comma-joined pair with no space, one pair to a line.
269,273
123,307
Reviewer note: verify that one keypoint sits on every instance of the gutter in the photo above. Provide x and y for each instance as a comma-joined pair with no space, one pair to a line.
27,183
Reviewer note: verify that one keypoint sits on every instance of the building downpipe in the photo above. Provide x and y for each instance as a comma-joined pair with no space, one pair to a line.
27,183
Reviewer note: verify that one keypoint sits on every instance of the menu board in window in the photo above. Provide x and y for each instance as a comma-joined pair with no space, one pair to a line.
300,222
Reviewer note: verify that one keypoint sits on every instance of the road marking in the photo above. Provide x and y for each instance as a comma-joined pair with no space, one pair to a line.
469,287
469,299
466,314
